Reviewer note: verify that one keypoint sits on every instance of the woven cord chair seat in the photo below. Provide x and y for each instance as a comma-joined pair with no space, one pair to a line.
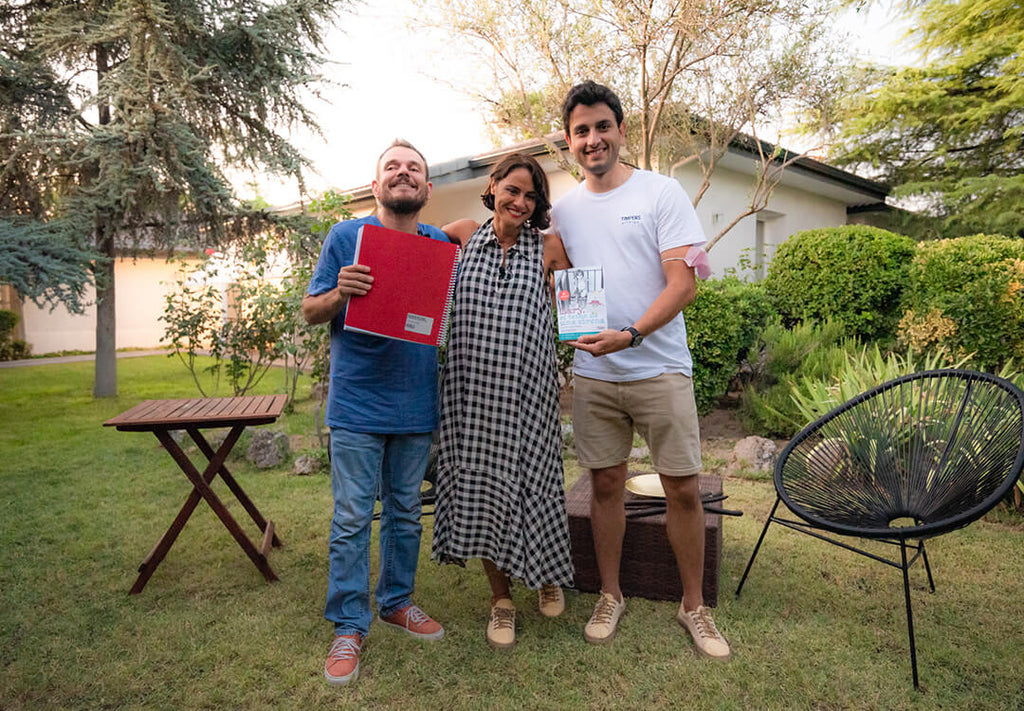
911,459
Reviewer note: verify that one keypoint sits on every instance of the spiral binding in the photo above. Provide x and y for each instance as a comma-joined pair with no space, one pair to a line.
442,334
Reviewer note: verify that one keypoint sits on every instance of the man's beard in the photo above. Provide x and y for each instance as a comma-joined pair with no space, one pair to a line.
404,205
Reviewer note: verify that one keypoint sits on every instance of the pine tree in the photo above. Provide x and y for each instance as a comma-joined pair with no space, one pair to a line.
950,134
120,117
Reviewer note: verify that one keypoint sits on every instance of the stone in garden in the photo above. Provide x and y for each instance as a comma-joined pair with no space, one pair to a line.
759,453
306,465
267,449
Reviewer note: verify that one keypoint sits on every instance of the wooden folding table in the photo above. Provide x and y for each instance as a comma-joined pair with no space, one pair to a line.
193,415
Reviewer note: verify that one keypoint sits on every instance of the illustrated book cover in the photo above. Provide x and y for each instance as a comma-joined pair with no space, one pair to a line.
579,302
413,286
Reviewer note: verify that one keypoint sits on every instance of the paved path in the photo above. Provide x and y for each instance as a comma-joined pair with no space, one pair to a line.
75,358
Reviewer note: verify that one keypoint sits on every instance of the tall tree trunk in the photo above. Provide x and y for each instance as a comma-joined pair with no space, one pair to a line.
105,377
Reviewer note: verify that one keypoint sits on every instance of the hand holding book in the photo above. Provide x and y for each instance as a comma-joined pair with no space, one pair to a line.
579,301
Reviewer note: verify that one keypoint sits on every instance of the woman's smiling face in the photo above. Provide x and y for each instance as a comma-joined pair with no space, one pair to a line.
515,198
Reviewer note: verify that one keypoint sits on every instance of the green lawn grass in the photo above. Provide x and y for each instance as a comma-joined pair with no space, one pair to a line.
81,505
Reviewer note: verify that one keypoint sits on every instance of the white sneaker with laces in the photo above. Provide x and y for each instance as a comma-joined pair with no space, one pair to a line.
604,622
710,642
551,600
501,627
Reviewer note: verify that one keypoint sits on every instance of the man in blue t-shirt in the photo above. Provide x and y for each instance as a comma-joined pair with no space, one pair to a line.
381,411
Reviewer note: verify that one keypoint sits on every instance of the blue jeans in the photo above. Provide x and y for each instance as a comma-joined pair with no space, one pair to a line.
364,465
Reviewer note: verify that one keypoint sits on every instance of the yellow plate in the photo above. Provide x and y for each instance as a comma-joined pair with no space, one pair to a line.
646,485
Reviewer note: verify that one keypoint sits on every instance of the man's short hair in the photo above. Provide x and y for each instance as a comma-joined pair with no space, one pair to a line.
402,143
590,93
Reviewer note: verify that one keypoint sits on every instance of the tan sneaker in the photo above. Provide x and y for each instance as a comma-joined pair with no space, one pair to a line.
706,636
501,628
605,620
414,621
551,600
342,665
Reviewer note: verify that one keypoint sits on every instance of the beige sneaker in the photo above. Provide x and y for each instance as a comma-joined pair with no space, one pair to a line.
551,600
501,628
706,636
605,620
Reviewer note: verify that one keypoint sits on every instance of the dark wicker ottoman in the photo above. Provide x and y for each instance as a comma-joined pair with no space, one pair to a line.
648,567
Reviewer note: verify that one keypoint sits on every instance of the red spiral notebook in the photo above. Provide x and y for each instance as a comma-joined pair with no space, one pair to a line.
413,286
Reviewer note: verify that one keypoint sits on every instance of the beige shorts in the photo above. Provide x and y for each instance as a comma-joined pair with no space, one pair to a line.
661,409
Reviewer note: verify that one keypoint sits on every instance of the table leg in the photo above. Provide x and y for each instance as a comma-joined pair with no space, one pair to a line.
233,485
151,561
200,489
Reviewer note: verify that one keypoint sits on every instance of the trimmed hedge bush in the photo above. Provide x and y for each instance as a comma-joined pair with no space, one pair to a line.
722,324
964,296
851,275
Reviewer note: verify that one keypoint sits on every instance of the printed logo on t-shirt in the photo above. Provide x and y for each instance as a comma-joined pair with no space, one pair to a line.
630,219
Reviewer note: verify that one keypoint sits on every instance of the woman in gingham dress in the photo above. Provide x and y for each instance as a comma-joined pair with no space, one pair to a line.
500,492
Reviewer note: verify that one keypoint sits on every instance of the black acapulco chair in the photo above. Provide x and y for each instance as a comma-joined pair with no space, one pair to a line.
911,459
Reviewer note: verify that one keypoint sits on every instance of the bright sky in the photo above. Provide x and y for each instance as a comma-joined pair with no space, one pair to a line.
389,68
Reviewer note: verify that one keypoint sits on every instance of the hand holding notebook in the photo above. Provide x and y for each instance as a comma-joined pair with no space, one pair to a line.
413,286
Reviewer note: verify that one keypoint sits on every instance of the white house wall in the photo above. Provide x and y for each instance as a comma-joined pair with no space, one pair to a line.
140,288
789,210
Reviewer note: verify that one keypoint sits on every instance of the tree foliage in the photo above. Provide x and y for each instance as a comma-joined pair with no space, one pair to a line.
692,74
120,117
243,307
41,264
948,134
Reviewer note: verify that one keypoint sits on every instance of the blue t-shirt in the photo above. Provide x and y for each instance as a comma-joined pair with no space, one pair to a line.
378,385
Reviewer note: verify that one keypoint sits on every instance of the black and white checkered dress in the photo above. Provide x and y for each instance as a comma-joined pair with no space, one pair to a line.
500,488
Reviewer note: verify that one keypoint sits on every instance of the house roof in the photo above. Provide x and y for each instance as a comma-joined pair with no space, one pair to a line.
802,172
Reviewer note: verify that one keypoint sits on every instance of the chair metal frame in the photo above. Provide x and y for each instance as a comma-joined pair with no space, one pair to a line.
909,539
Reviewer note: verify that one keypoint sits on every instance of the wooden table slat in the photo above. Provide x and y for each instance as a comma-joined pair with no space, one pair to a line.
206,412
183,409
216,408
265,405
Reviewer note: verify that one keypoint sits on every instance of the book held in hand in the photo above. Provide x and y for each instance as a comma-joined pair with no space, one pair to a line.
579,302
413,286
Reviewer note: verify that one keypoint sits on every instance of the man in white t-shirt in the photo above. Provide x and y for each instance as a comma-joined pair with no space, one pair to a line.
640,227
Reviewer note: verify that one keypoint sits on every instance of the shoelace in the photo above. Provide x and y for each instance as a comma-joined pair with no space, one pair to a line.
605,610
705,625
415,616
549,594
344,648
503,618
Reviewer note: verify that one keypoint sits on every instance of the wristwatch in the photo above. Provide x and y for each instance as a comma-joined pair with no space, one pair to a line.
638,337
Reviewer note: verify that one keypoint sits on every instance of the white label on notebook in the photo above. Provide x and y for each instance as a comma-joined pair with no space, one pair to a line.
422,325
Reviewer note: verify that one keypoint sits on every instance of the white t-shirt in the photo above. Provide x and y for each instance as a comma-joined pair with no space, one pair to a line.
625,230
